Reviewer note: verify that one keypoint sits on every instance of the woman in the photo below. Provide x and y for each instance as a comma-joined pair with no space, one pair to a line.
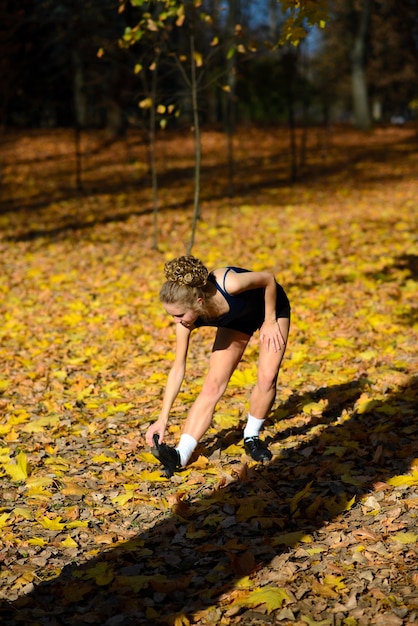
237,302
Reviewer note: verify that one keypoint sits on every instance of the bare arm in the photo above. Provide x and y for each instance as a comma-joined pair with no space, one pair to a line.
173,385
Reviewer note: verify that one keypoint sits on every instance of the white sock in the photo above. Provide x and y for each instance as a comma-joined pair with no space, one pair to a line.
186,447
253,427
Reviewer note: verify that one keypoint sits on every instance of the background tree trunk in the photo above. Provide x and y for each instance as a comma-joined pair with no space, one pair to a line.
198,146
361,110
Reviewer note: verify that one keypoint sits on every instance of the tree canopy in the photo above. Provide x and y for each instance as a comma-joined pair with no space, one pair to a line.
62,62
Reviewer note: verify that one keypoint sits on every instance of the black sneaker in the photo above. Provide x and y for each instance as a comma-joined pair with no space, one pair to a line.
168,457
257,449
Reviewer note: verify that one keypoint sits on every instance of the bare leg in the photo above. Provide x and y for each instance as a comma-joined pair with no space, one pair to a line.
226,354
264,392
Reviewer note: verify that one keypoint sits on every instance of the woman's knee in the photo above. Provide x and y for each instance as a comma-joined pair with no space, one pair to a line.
267,380
213,387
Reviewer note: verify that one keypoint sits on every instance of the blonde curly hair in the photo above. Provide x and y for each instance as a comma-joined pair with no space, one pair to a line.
186,270
186,279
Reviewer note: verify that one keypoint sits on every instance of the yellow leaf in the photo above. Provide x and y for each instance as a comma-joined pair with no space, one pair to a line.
248,510
102,458
181,620
243,583
343,341
200,463
365,404
198,59
39,492
39,481
37,541
325,591
145,104
234,449
157,377
52,524
72,319
77,524
387,409
71,489
242,378
299,355
123,498
406,537
19,471
120,408
24,579
20,417
9,434
272,597
37,426
404,480
4,384
23,464
102,573
313,408
82,394
225,420
368,355
350,503
69,543
335,450
288,539
147,457
3,520
334,581
25,513
151,477
299,496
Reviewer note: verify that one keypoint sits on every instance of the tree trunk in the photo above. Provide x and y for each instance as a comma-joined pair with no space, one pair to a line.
362,118
229,97
80,100
152,153
198,147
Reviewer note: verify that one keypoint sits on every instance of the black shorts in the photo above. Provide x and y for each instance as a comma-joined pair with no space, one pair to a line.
253,319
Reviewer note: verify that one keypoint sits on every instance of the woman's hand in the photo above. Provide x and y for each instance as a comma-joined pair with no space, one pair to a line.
271,336
157,428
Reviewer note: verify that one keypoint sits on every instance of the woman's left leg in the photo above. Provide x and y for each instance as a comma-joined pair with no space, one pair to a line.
264,394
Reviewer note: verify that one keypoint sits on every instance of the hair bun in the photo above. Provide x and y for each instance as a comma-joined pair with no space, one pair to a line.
186,270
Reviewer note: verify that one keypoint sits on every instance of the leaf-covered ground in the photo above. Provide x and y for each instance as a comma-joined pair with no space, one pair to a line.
324,534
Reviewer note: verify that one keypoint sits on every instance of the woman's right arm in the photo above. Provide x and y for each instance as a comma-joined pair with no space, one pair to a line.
172,388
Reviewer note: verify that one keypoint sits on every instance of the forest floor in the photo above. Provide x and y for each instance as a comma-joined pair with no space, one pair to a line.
324,534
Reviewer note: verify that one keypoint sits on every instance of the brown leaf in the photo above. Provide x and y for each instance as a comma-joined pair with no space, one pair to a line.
242,564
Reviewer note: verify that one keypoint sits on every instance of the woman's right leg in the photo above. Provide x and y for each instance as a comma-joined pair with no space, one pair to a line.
226,354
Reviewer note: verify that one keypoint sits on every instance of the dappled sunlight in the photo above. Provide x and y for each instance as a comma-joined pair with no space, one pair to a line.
326,532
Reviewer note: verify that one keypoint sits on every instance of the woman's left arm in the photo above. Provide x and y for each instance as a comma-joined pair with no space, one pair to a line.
235,283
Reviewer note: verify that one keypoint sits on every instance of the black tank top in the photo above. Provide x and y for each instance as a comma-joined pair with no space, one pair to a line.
246,309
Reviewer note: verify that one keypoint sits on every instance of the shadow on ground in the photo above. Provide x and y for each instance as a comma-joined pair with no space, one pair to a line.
193,559
363,165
